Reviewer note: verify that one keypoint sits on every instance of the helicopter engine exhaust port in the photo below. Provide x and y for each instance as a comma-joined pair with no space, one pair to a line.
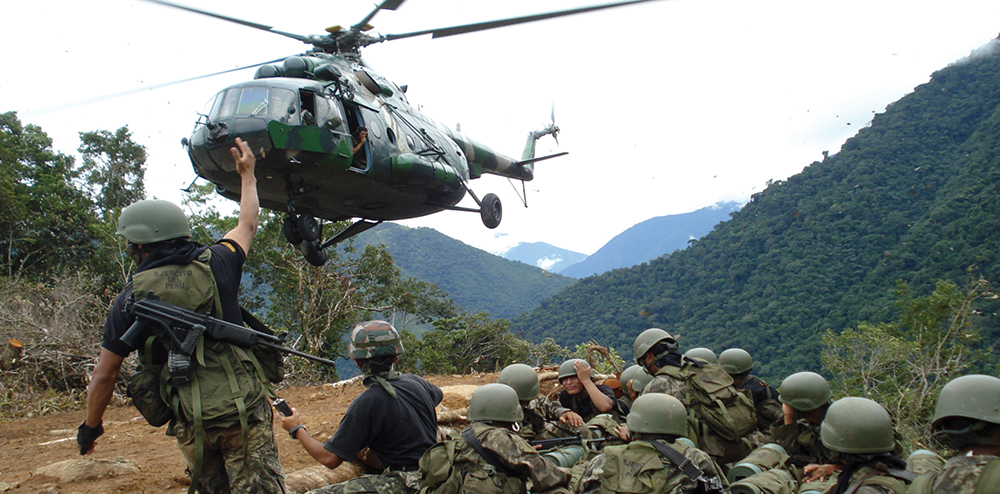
491,211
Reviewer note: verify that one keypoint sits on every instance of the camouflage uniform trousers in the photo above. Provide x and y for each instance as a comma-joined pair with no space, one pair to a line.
224,467
388,482
960,475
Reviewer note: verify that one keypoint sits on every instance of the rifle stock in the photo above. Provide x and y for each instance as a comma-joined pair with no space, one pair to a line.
571,440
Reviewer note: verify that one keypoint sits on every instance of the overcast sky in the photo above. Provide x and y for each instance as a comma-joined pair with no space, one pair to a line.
665,107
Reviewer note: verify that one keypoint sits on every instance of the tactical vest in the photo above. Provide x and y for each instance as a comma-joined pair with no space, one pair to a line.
224,385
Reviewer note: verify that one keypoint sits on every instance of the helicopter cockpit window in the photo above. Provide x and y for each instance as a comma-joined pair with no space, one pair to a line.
253,102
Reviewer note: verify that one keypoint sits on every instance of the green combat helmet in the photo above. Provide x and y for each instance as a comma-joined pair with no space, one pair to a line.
703,353
374,339
858,426
151,221
647,339
736,361
658,413
567,369
495,402
523,379
964,408
639,377
805,391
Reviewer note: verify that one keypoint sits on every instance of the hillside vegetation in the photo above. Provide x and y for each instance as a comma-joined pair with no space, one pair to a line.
912,197
476,280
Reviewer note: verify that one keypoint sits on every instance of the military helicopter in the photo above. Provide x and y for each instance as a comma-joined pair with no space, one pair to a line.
304,117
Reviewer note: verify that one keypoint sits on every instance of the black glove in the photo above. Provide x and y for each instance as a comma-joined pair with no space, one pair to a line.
85,436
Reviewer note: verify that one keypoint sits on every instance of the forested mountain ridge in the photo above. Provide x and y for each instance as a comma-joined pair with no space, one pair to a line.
652,238
475,279
912,197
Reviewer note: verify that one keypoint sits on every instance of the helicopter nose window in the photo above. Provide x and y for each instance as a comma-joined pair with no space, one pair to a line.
253,102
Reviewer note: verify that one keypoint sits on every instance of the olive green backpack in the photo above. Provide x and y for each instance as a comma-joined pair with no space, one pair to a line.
713,402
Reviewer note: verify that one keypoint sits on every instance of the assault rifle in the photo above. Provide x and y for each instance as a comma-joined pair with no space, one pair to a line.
185,327
572,440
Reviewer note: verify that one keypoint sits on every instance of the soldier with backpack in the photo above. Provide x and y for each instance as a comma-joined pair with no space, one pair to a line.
489,458
967,418
394,418
719,416
216,403
738,363
659,459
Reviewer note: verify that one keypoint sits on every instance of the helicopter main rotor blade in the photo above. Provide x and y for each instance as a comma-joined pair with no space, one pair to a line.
304,39
482,26
97,99
385,5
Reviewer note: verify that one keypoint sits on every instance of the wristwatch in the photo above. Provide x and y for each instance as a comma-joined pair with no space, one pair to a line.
294,430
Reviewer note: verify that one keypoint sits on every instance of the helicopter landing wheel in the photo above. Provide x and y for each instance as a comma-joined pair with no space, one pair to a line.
308,228
491,211
290,230
313,253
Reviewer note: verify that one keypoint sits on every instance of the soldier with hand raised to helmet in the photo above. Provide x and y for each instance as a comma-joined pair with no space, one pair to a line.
394,418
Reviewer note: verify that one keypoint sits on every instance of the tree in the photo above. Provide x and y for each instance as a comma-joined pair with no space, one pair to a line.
904,364
114,167
46,223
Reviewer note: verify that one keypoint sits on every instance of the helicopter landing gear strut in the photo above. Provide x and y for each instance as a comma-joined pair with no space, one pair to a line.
490,209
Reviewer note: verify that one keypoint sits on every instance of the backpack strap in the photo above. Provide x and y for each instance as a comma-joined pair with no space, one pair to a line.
470,437
677,459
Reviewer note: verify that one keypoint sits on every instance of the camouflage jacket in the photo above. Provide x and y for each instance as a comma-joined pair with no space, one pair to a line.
874,482
639,468
960,475
540,417
515,453
801,439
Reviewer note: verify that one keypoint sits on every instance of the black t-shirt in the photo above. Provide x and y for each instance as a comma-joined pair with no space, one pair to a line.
397,430
227,268
583,405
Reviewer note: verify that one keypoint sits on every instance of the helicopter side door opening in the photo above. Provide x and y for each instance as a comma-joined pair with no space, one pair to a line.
355,121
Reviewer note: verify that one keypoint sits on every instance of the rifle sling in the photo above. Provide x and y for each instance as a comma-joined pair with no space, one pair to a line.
470,437
677,458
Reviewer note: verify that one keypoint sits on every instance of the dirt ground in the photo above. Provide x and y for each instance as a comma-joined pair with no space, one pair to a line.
26,445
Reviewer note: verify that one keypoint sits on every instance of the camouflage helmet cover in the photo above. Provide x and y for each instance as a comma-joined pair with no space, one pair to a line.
658,413
805,391
736,361
647,339
497,402
151,221
374,339
857,426
523,379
